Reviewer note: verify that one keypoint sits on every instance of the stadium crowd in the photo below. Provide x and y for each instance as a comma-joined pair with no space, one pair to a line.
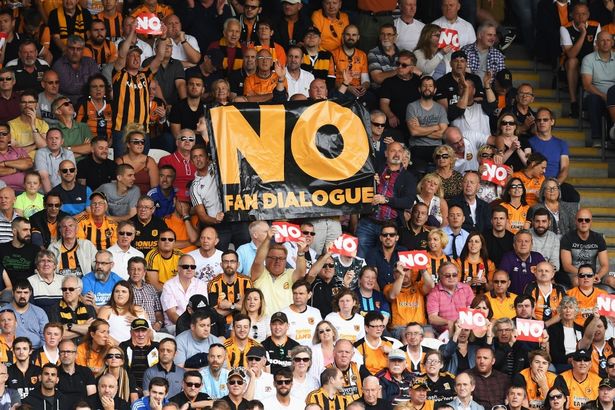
125,285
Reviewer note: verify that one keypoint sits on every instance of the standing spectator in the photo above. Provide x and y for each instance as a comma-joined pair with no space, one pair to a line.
32,319
448,296
74,69
94,110
452,86
577,39
96,169
127,23
9,97
14,161
302,319
51,89
122,250
582,246
331,22
450,19
382,59
17,255
184,117
47,160
408,28
169,74
290,29
75,197
204,20
75,255
77,135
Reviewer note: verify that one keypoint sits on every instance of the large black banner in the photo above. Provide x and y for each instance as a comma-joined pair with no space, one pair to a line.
296,160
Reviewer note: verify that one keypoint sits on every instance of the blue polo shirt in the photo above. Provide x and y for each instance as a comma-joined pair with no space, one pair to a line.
100,289
164,205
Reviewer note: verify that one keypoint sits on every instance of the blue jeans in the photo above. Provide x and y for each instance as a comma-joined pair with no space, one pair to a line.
368,233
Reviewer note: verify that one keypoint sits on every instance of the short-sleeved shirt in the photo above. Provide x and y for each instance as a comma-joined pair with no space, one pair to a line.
96,174
356,63
519,271
204,191
18,262
45,161
166,77
146,237
553,149
580,392
434,116
174,296
302,325
400,93
73,385
166,268
331,30
15,180
256,85
76,135
408,306
583,251
102,290
502,308
22,134
464,29
74,201
445,304
119,205
586,301
103,236
601,71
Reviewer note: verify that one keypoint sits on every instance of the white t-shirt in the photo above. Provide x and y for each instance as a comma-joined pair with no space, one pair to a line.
178,49
294,404
264,388
302,325
300,85
207,268
465,31
352,329
301,390
408,34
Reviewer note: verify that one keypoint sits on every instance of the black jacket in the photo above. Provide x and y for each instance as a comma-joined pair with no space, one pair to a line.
40,231
556,341
37,401
483,214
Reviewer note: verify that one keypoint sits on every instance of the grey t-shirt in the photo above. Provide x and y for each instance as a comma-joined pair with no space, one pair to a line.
434,116
119,205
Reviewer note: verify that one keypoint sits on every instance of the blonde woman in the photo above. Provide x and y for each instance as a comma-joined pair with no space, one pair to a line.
436,242
253,305
430,192
444,158
114,365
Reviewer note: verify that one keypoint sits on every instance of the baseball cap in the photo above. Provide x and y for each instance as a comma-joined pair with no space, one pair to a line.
504,78
257,351
291,1
459,54
100,194
607,382
139,323
581,354
197,361
135,48
312,30
197,302
279,317
419,382
238,372
397,354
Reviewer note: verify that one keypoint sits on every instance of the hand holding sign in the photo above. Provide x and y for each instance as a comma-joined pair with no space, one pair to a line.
149,24
497,174
3,37
449,37
606,305
530,330
414,260
472,319
345,245
287,232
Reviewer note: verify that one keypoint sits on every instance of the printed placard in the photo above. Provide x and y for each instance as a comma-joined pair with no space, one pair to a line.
414,259
606,305
449,37
472,319
530,330
497,174
148,23
345,245
287,232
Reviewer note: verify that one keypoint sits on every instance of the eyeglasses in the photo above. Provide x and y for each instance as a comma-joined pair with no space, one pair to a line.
124,233
378,124
57,206
486,155
138,142
53,82
508,123
67,351
442,156
102,263
167,239
403,65
584,220
325,330
301,359
6,78
500,282
526,94
114,356
433,361
388,235
328,265
68,289
450,275
197,385
250,7
516,186
65,103
98,203
543,119
191,267
276,258
4,133
264,58
67,170
585,275
556,396
286,382
235,382
310,233
552,188
184,139
145,207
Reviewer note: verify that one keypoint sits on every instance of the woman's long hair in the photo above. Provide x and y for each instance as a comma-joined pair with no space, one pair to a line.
130,305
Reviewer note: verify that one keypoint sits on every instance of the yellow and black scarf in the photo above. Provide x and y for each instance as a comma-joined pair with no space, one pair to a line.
79,23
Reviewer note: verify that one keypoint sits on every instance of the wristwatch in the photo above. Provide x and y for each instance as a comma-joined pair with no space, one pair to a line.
232,306
69,326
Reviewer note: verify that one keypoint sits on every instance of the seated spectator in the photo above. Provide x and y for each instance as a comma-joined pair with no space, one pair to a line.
515,203
297,78
395,379
430,59
171,78
119,310
45,223
74,69
586,293
532,177
487,191
595,341
51,89
185,47
331,381
47,159
193,343
371,299
236,382
546,306
107,393
31,318
127,23
383,58
96,169
525,116
577,39
72,313
437,240
486,38
229,44
28,67
565,333
46,284
158,389
451,87
268,80
14,161
580,392
75,256
473,118
348,58
96,226
162,261
90,352
46,390
18,254
457,236
247,252
491,385
145,168
190,392
584,246
9,103
30,201
475,210
465,146
94,110
413,235
122,250
316,59
184,169
198,302
474,263
325,283
408,28
331,22
28,131
264,41
98,47
345,318
545,241
122,195
163,194
239,343
75,197
165,368
562,214
450,19
513,147
76,134
301,318
280,348
180,222
141,349
448,296
209,71
501,300
98,285
444,158
521,261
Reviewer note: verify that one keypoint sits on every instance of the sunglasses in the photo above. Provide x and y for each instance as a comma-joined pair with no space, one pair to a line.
508,123
611,365
582,359
388,235
53,82
184,139
167,239
189,384
285,382
301,359
235,382
556,396
516,186
584,220
543,119
378,124
124,233
250,7
53,206
499,282
65,104
138,142
192,267
486,155
254,359
68,289
403,65
442,156
311,233
328,265
67,170
321,331
585,275
6,78
114,356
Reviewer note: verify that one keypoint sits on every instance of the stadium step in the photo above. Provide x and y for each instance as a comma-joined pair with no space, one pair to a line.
588,169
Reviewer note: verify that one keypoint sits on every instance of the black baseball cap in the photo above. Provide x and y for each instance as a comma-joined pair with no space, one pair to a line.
139,323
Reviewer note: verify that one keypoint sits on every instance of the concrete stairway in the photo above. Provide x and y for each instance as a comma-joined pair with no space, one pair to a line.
593,178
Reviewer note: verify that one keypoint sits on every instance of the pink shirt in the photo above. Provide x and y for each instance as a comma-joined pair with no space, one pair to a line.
15,180
174,296
446,304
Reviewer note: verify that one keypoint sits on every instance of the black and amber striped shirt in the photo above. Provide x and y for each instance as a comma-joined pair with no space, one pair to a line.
434,265
320,65
320,397
237,357
113,26
131,98
218,289
68,263
103,236
233,56
104,54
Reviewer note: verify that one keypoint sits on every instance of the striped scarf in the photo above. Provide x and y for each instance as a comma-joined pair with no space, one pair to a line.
79,24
